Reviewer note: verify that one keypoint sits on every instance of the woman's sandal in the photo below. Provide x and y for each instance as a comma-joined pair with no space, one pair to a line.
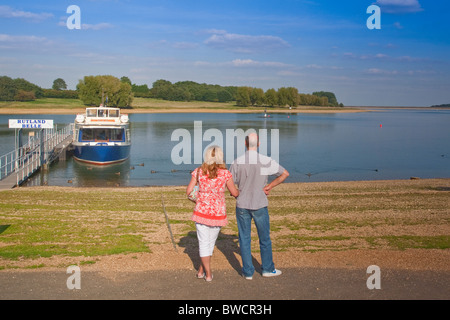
209,280
200,276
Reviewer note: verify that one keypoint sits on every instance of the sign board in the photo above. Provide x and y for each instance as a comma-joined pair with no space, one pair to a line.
30,124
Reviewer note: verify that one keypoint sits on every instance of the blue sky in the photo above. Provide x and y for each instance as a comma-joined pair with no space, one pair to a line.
312,45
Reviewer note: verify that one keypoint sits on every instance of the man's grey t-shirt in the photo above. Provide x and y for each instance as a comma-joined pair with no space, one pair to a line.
250,173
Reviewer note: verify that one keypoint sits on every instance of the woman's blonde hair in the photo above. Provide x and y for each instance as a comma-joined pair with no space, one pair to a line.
213,162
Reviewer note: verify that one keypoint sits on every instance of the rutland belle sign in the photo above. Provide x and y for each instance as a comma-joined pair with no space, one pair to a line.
30,124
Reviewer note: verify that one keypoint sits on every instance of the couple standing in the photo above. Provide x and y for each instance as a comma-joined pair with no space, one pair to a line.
250,173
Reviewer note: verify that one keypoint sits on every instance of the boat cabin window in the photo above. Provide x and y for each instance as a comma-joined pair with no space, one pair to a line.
102,134
102,113
91,113
114,113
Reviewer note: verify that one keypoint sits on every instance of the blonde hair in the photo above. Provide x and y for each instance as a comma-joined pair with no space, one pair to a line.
213,162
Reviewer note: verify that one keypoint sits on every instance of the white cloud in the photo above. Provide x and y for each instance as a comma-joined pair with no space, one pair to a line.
87,26
240,43
243,63
399,6
25,43
98,26
253,63
8,12
381,71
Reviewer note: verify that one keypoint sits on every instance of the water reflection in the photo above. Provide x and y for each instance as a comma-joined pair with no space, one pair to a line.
313,147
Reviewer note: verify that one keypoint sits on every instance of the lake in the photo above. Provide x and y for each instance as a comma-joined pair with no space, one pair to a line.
383,144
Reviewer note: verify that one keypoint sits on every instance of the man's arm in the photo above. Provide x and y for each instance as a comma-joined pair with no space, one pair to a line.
276,182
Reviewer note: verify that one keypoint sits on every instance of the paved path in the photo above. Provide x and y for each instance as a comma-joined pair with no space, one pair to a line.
297,284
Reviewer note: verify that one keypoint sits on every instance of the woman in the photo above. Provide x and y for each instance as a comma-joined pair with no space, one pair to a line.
209,212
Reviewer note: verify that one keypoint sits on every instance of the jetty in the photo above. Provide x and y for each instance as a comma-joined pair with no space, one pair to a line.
43,148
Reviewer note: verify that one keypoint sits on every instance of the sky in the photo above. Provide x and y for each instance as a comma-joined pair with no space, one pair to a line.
312,45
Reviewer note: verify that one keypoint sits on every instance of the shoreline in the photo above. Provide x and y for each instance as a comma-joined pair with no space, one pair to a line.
13,111
322,110
287,183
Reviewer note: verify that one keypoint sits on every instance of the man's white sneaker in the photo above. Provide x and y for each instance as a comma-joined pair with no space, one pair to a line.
274,273
248,278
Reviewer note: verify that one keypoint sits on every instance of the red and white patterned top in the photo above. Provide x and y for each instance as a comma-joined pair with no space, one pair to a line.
210,206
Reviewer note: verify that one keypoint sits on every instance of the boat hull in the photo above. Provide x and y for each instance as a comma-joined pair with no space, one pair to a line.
101,154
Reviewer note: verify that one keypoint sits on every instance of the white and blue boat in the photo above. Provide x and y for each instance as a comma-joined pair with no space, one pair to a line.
101,136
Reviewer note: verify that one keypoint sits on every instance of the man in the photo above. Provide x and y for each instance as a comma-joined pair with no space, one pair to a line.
250,173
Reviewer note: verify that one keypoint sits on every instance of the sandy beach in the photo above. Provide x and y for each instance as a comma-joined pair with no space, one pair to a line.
399,224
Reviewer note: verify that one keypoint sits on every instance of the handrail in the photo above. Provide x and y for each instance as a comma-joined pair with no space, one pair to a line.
31,156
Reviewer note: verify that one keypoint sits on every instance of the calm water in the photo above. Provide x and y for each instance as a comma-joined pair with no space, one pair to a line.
313,147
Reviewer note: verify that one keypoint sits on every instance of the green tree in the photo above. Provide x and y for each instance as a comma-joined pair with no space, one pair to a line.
271,97
126,80
140,90
18,89
161,89
92,88
22,84
330,95
224,95
59,84
257,97
243,96
283,96
8,89
22,95
292,96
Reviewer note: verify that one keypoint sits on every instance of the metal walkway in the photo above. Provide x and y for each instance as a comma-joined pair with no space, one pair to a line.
39,152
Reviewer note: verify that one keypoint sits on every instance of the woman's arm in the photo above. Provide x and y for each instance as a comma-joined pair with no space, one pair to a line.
232,188
191,185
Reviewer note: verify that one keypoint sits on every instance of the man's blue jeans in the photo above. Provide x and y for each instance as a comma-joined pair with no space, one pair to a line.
244,221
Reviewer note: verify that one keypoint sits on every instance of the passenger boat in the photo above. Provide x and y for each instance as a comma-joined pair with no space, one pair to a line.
101,136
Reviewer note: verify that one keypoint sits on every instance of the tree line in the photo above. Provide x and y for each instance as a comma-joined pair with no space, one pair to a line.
244,96
284,97
93,90
22,90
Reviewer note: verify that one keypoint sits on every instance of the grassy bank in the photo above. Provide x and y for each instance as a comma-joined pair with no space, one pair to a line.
147,105
39,224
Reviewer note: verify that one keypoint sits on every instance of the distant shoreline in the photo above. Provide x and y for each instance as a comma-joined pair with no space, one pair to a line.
149,105
176,110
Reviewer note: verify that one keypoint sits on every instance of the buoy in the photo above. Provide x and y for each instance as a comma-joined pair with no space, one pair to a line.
381,125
